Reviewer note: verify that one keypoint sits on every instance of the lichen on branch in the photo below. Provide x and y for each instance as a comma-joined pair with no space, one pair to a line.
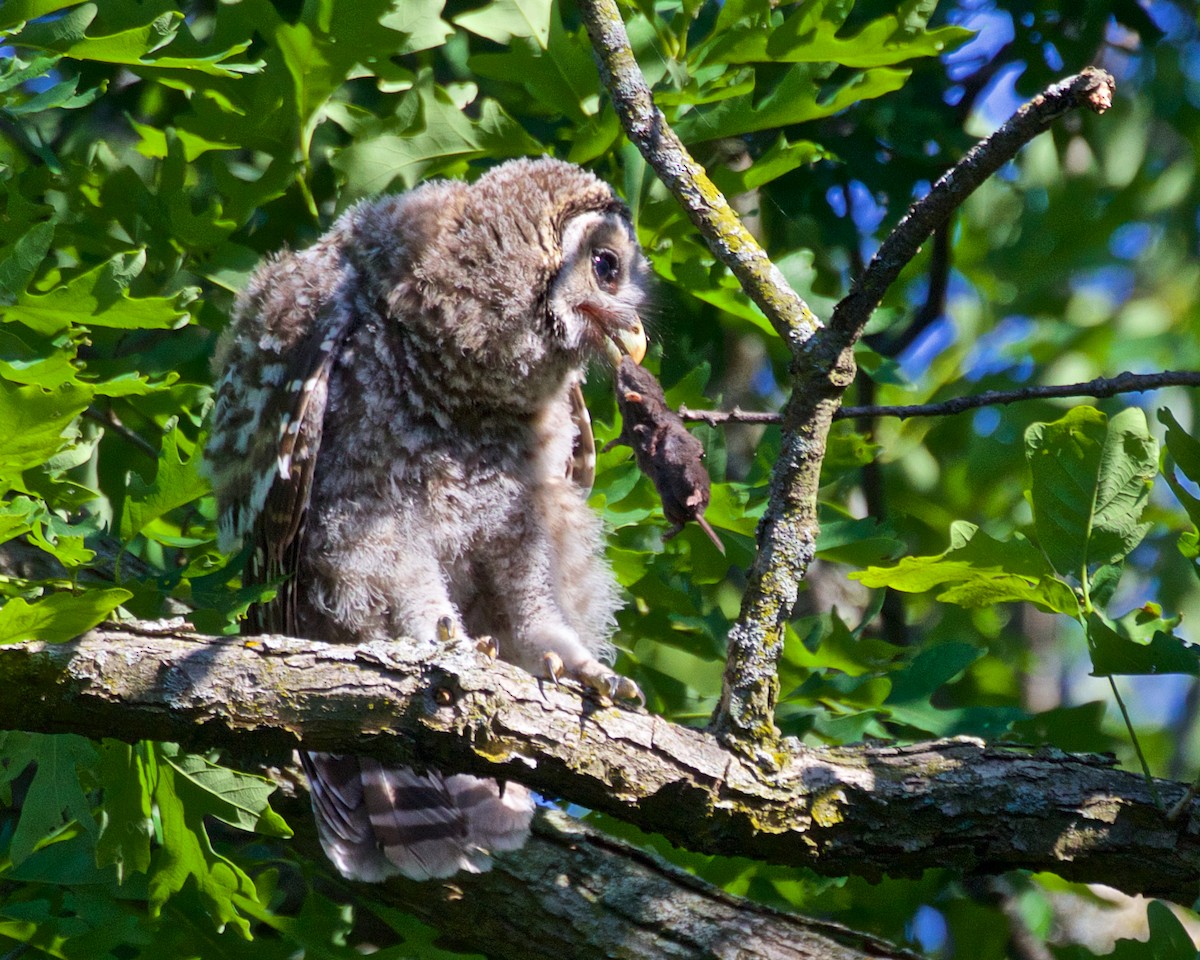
822,358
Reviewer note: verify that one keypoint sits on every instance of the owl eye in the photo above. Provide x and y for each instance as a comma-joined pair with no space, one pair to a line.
607,268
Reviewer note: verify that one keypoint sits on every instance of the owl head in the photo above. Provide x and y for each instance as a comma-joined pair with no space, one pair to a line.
523,274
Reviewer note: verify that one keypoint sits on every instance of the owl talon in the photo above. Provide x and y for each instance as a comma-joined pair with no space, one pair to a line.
609,685
554,666
488,646
626,689
445,629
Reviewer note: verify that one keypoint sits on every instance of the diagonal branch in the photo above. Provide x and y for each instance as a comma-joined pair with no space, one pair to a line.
1091,88
823,362
962,805
573,892
787,531
704,204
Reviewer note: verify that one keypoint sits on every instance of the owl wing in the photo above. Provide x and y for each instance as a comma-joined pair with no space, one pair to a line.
277,531
275,364
268,424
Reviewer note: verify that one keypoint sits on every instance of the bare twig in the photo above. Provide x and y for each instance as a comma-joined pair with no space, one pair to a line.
1100,387
109,421
715,418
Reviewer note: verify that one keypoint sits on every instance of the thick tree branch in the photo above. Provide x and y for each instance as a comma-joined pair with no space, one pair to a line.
573,892
1100,387
962,805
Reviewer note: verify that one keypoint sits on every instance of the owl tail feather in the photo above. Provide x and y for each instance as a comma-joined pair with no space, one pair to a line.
376,821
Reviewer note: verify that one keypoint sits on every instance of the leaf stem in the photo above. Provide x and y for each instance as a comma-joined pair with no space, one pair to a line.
1137,746
1088,609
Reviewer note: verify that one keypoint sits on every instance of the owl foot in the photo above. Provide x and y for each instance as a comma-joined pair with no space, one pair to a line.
488,646
445,629
595,676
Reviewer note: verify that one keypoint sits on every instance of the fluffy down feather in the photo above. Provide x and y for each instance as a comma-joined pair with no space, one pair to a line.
398,436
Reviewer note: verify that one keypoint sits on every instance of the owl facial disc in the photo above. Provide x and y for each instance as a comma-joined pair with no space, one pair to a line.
599,288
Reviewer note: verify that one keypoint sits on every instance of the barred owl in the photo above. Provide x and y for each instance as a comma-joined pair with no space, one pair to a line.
400,436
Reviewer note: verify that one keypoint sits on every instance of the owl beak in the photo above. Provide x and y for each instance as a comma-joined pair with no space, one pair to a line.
629,342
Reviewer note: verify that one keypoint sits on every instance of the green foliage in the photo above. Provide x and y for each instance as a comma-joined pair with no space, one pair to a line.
151,153
184,789
982,572
1182,456
1090,480
59,616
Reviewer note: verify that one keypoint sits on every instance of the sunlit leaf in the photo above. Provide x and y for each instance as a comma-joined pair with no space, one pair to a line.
186,789
126,825
420,22
796,98
237,799
505,20
882,42
979,571
58,617
1091,478
176,483
141,46
446,136
99,297
782,157
14,12
38,423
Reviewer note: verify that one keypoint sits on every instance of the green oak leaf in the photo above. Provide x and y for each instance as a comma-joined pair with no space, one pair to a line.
1090,480
58,617
978,571
1136,644
176,483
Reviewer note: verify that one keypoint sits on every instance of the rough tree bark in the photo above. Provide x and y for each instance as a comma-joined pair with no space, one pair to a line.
573,892
961,804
